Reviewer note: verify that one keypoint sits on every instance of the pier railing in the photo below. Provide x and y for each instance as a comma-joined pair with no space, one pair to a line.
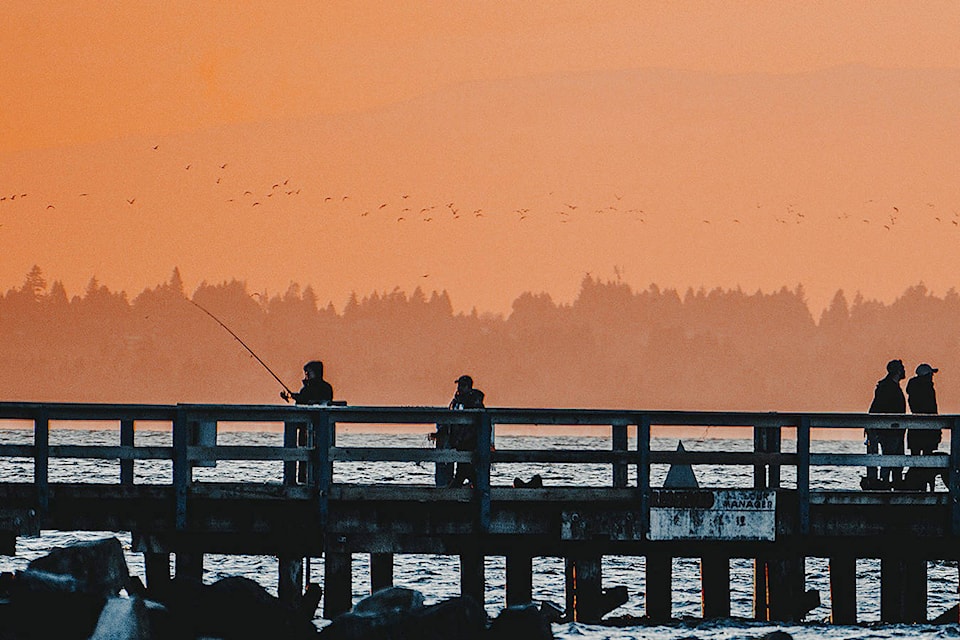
309,451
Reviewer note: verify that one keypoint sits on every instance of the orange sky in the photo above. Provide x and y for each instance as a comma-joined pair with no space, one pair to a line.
756,144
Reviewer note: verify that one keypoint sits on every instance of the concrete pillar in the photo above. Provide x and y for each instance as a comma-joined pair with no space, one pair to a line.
843,590
519,578
337,583
659,603
715,586
381,571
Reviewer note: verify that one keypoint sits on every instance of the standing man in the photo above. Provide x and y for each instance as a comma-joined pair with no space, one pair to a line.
923,399
315,389
887,398
463,437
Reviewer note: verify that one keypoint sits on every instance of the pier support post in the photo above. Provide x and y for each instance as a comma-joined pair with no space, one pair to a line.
715,586
189,565
761,603
157,566
472,579
843,590
903,590
381,571
786,589
290,580
337,583
519,578
659,587
584,576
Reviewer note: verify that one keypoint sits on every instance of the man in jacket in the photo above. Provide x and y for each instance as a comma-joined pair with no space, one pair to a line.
463,437
887,398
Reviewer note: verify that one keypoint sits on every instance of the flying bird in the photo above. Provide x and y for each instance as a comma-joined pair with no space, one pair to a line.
50,206
131,200
223,166
382,205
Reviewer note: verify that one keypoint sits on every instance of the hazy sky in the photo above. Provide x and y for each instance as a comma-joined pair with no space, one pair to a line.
483,147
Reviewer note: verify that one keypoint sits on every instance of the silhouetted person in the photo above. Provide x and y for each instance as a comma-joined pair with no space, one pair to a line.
887,398
463,437
315,389
923,399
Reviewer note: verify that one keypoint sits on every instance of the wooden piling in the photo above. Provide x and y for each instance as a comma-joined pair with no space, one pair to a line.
659,581
761,604
157,566
337,583
472,579
584,580
903,589
843,590
381,571
290,580
785,588
189,565
519,578
715,586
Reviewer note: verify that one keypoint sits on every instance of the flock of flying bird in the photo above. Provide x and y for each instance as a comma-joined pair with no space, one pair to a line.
402,209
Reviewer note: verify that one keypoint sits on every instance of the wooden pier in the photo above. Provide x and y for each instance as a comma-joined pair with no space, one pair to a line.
305,513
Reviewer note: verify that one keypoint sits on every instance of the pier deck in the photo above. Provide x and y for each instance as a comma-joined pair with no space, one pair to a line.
307,514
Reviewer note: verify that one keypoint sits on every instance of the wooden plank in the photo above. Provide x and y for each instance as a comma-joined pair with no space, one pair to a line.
239,452
875,460
98,452
397,454
17,450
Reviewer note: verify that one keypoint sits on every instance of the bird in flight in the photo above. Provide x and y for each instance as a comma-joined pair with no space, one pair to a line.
131,200
223,166
155,147
382,205
188,167
50,206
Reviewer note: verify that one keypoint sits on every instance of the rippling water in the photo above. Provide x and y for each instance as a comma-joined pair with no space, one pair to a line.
438,576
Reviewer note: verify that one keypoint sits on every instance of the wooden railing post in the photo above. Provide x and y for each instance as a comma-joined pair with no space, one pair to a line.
321,471
482,469
953,477
182,470
643,471
290,430
126,440
619,444
803,473
41,462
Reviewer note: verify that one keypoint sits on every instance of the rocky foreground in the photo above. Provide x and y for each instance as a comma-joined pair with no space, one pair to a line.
85,591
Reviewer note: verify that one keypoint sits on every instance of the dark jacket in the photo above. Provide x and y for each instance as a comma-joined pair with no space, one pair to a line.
464,436
888,397
314,391
923,397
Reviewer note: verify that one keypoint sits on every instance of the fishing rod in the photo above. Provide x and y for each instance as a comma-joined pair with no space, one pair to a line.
264,364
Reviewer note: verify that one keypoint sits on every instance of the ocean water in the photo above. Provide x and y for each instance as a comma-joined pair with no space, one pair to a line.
438,576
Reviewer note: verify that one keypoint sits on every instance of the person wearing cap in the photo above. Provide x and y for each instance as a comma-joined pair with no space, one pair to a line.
923,399
887,398
463,437
315,389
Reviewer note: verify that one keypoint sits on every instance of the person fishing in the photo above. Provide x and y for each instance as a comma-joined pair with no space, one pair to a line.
315,389
463,437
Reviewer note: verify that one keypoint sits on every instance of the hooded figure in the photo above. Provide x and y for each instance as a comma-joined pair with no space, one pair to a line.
887,398
923,399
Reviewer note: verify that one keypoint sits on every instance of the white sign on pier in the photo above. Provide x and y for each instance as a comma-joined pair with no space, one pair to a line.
713,514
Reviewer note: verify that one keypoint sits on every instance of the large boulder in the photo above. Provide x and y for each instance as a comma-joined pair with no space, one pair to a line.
455,619
235,608
98,565
378,616
123,619
522,621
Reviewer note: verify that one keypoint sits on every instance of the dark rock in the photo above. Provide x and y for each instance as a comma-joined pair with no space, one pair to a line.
777,635
524,621
457,618
35,594
234,608
551,611
99,565
123,619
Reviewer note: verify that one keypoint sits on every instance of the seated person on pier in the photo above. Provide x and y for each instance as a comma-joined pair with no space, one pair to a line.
463,437
315,389
887,398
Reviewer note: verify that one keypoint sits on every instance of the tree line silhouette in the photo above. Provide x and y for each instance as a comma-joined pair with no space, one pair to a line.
613,346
